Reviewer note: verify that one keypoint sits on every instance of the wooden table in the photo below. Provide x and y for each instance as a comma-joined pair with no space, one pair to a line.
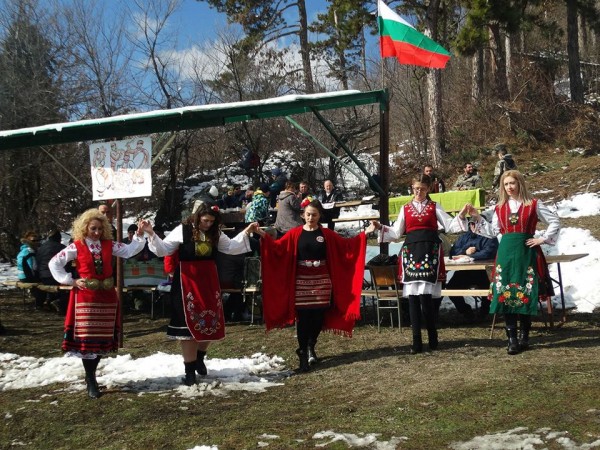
552,259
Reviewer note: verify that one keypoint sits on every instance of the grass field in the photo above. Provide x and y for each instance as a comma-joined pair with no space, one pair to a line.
366,384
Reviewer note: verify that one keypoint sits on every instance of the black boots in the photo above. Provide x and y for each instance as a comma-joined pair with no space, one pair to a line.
513,343
524,333
190,373
303,356
312,356
433,338
90,366
417,344
200,366
93,390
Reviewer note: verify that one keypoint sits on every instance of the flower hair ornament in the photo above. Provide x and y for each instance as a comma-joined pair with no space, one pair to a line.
215,208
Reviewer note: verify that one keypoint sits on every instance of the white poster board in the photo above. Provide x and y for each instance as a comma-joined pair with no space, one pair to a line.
121,169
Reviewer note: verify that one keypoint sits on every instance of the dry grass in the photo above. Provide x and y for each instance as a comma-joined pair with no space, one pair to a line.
366,384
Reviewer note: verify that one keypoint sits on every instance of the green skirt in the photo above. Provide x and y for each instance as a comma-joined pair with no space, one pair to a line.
515,284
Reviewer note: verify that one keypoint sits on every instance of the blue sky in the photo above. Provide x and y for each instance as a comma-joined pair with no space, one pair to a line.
198,21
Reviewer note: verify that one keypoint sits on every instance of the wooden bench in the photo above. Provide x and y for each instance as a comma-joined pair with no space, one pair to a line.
445,292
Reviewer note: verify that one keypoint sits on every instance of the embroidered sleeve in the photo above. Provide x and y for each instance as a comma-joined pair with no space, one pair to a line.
169,245
59,261
550,218
395,232
236,246
489,230
128,250
450,224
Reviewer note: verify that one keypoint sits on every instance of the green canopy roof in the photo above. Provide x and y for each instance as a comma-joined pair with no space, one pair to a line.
183,118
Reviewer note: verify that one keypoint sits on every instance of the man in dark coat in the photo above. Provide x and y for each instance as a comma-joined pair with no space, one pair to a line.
50,247
479,248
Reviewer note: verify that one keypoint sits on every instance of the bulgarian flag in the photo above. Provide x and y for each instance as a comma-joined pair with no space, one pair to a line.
400,39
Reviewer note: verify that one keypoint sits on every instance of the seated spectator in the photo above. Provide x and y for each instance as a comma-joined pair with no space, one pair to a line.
230,198
278,180
258,209
231,272
210,196
304,190
479,248
130,232
247,197
470,179
288,210
50,247
437,184
27,269
328,196
505,162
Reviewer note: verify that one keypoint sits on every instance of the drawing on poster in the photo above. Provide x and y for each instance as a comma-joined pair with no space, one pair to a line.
121,169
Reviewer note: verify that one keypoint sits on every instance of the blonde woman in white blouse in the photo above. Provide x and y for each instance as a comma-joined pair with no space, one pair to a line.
520,274
91,324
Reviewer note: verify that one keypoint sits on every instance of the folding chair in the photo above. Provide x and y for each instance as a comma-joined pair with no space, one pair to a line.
387,293
252,284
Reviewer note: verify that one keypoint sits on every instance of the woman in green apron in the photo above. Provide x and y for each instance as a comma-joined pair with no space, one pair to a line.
520,277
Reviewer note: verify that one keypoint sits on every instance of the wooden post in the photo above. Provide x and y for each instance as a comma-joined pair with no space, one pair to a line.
119,269
384,164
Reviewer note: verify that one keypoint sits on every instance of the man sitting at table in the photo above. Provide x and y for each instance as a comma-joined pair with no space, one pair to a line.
470,179
479,248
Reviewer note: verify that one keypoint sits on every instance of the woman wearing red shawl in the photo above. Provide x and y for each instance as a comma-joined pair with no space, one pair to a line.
313,276
422,258
91,325
196,306
520,274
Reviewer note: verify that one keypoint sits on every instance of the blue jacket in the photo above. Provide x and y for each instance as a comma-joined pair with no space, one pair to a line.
27,272
486,247
258,209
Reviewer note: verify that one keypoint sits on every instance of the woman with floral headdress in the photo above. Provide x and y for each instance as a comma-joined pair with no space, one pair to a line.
91,325
196,305
520,274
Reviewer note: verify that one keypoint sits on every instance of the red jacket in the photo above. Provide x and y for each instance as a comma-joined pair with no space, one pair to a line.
346,263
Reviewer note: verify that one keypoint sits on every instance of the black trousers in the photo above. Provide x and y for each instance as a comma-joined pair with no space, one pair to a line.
308,327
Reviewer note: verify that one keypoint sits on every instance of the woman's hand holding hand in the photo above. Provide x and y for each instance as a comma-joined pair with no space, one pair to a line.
462,215
80,283
145,226
474,212
254,227
375,225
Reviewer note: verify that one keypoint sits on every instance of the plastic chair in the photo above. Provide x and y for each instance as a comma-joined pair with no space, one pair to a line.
387,292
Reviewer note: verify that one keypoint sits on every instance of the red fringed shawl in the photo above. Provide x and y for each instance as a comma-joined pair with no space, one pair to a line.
346,263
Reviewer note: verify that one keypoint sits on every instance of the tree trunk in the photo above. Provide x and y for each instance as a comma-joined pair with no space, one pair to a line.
509,68
499,62
477,76
436,118
575,83
434,94
304,48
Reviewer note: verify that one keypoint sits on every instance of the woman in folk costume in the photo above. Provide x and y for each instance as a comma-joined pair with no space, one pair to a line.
520,275
422,260
91,324
196,305
313,276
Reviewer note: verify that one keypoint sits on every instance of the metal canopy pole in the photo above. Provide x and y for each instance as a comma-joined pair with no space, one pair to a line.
329,152
360,165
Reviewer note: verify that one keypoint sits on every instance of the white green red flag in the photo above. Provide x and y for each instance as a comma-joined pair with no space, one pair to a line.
398,38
